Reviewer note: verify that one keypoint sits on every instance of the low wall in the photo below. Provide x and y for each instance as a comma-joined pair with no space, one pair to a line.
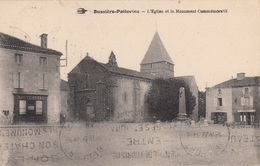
129,144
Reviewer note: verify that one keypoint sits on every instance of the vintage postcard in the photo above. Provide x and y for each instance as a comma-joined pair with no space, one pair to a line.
129,83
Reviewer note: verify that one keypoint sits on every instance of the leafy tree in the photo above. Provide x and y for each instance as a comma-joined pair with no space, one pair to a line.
202,104
163,98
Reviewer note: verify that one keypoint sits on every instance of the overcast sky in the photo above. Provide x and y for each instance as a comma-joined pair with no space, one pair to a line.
211,46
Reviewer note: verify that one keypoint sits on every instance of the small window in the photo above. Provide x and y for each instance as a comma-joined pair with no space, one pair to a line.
43,61
246,90
220,102
18,58
38,107
247,101
22,107
125,97
219,91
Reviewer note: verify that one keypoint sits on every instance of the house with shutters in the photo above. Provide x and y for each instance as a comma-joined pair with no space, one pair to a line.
236,100
29,82
105,91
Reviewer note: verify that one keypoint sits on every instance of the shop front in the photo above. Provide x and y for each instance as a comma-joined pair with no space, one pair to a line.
246,117
219,117
30,108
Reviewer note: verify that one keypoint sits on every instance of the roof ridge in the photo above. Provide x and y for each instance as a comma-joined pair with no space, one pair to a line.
12,42
247,81
186,76
134,73
19,39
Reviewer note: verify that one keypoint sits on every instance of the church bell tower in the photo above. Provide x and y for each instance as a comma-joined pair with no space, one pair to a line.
157,60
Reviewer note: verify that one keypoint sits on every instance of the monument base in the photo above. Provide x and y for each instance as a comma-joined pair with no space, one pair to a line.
182,117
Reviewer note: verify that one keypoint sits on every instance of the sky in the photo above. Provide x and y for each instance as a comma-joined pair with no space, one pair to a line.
213,47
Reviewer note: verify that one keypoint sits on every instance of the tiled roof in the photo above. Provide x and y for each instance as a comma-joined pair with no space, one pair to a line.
247,81
64,85
128,72
10,42
156,52
120,70
187,79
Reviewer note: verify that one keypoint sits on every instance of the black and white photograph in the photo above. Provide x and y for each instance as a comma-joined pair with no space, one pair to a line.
129,83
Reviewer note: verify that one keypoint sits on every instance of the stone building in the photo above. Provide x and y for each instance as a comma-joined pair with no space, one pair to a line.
30,81
101,91
235,100
157,60
64,93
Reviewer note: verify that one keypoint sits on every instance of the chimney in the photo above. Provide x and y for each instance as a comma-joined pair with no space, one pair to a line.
44,40
240,76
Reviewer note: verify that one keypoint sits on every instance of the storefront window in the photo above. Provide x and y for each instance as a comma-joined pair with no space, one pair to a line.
38,107
247,117
22,107
219,117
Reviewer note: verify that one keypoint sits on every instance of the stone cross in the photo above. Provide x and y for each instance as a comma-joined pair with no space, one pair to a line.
182,105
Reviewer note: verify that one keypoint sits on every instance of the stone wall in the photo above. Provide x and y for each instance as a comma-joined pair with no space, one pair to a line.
30,71
129,99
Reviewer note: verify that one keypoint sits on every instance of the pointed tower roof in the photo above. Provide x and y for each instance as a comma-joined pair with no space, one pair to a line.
156,52
112,59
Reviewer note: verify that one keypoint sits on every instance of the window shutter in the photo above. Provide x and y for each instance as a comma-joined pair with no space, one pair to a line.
243,90
21,80
22,106
46,81
242,101
15,80
40,81
223,102
215,102
38,107
251,101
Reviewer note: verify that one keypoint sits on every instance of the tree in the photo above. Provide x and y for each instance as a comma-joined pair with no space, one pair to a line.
163,98
202,104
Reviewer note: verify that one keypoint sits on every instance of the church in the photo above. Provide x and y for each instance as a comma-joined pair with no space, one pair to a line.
107,92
